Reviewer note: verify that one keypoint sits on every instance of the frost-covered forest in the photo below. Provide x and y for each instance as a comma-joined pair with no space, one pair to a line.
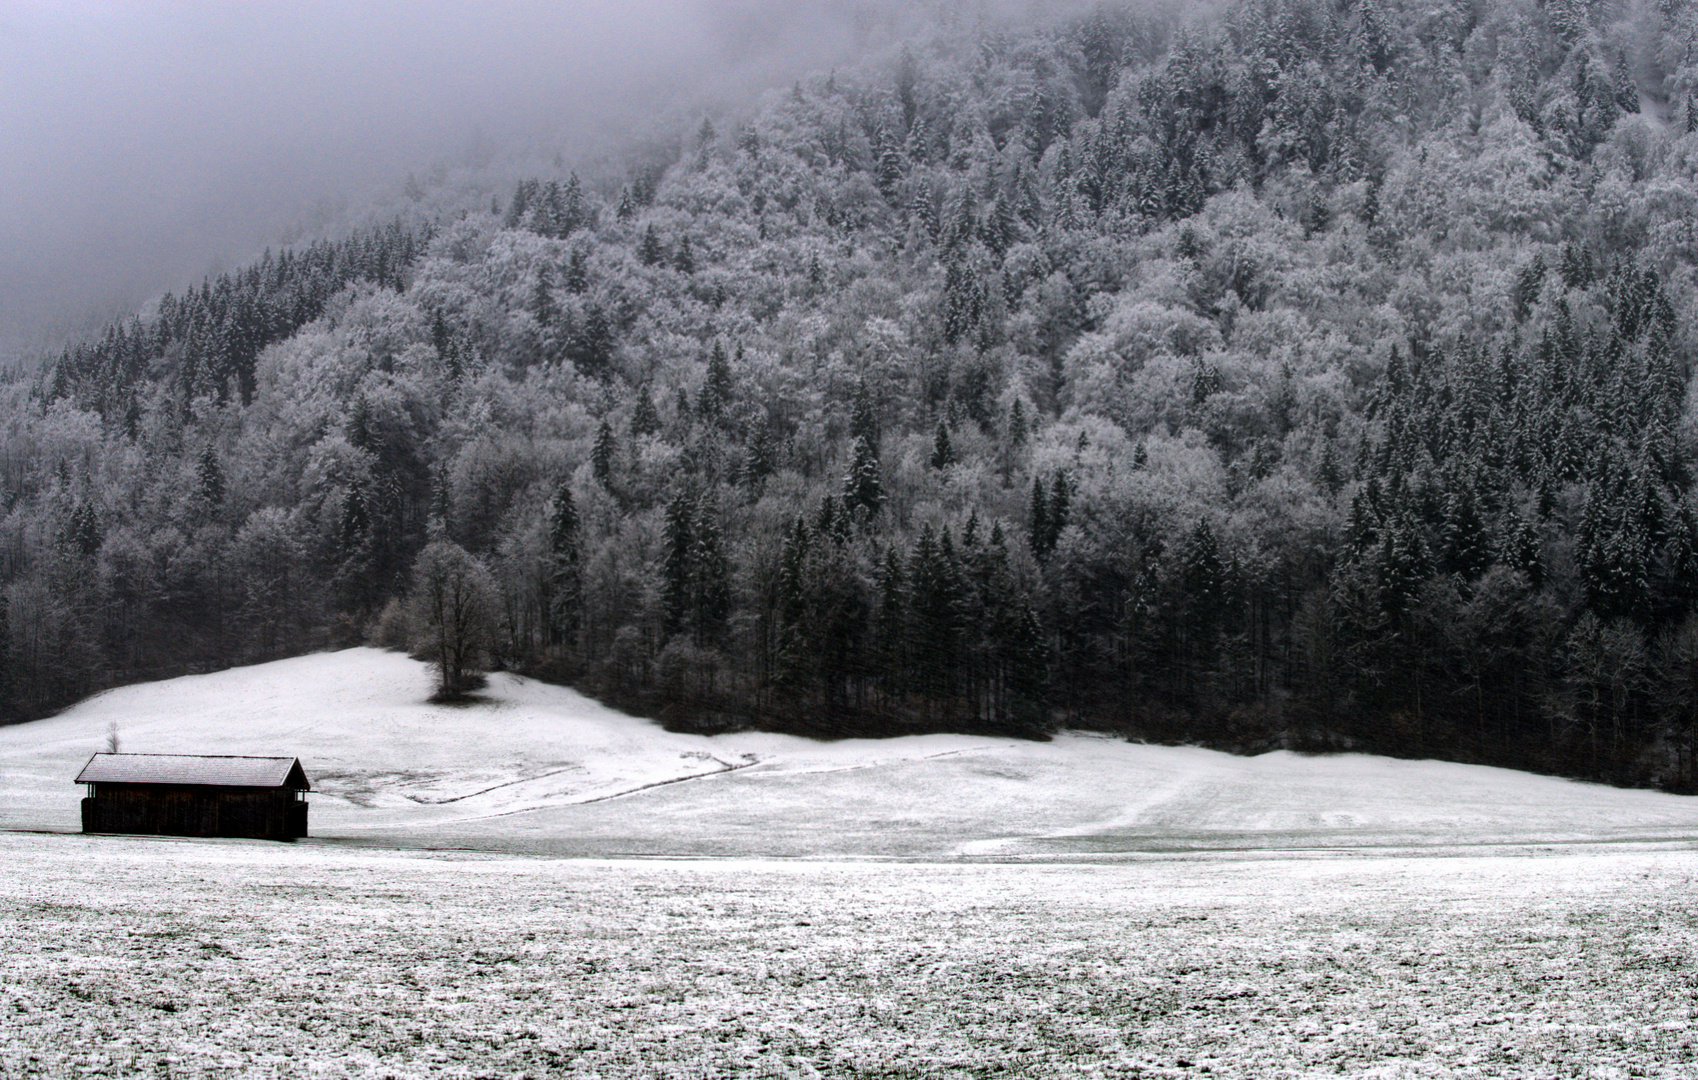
1312,374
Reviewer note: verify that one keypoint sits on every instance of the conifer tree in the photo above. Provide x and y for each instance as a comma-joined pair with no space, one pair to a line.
543,307
645,418
572,214
863,417
934,626
1466,550
649,251
1038,530
710,580
577,279
601,455
564,574
794,660
211,478
943,454
758,461
889,169
717,389
863,486
891,624
82,531
676,577
590,345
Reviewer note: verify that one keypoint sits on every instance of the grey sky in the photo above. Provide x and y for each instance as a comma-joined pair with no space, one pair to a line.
141,142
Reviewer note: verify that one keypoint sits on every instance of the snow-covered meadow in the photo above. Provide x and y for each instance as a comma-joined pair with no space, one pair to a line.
938,906
542,769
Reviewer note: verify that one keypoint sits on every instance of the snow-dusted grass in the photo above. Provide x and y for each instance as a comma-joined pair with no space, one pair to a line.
1080,907
202,958
540,768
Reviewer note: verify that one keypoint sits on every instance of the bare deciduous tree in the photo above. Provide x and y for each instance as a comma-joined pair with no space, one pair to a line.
453,602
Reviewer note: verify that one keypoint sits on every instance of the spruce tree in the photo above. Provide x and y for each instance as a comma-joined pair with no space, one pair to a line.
1060,504
677,581
542,306
863,486
717,389
758,455
710,580
1038,532
943,454
889,169
863,417
211,479
1018,431
891,623
645,418
649,251
577,279
564,573
794,659
572,215
82,531
601,455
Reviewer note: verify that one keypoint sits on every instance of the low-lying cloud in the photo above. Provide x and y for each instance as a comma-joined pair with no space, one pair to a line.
146,143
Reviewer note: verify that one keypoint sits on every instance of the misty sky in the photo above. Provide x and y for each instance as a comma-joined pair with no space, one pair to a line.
144,143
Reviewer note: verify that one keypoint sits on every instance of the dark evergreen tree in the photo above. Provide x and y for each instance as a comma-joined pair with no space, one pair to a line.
601,455
577,279
943,454
83,534
717,389
564,574
211,479
710,581
677,579
891,661
649,249
863,486
645,418
590,345
1038,530
863,416
542,306
934,619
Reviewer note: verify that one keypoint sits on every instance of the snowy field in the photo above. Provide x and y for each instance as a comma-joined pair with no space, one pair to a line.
540,769
760,905
132,957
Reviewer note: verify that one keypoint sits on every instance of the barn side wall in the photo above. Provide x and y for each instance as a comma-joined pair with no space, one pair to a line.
264,814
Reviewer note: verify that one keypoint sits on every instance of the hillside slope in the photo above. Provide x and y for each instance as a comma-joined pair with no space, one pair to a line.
1309,374
541,768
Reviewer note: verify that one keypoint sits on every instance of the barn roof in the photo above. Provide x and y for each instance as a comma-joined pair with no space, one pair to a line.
197,769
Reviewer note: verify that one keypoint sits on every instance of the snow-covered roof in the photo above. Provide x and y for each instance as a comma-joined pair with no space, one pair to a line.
196,769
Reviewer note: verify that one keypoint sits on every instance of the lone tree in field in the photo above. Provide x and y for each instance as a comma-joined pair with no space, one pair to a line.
453,601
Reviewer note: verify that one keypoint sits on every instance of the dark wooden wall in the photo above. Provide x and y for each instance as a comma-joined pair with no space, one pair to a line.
264,814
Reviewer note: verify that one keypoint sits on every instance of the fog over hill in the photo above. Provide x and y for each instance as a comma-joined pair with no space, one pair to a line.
152,142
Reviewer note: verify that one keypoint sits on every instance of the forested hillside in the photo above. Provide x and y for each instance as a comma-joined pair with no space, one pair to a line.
1312,374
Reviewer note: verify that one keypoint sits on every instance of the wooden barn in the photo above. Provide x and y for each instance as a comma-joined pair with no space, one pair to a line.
195,795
